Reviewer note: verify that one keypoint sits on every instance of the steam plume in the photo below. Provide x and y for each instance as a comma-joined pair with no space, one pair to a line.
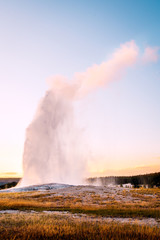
53,150
97,75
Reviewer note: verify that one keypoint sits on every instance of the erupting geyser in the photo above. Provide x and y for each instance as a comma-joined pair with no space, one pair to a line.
53,150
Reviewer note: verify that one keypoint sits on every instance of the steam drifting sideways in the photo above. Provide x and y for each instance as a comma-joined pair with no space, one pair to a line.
54,150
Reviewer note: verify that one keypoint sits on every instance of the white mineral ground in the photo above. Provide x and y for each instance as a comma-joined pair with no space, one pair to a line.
118,194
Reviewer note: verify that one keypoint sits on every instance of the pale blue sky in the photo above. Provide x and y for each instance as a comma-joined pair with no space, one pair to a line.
41,38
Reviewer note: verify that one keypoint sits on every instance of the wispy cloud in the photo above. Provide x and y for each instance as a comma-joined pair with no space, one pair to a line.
96,76
150,54
100,75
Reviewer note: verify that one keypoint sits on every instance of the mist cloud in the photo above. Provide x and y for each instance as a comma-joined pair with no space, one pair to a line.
54,150
127,55
150,54
97,75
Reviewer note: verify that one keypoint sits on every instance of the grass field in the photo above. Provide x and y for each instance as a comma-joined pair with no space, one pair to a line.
81,212
42,226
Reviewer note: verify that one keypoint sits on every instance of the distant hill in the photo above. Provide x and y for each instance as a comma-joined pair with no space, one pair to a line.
150,180
8,182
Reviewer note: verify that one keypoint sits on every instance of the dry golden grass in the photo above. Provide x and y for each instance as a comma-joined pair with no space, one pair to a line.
124,203
41,226
97,201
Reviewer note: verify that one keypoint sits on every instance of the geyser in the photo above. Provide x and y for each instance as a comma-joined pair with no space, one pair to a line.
53,150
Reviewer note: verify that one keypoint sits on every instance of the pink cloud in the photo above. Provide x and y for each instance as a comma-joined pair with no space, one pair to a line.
100,75
150,54
97,75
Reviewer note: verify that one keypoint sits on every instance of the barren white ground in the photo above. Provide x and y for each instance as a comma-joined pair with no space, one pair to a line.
86,192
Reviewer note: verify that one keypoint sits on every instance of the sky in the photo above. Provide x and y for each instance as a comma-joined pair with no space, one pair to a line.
40,39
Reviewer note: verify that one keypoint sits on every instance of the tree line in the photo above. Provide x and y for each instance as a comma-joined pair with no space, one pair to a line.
149,180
